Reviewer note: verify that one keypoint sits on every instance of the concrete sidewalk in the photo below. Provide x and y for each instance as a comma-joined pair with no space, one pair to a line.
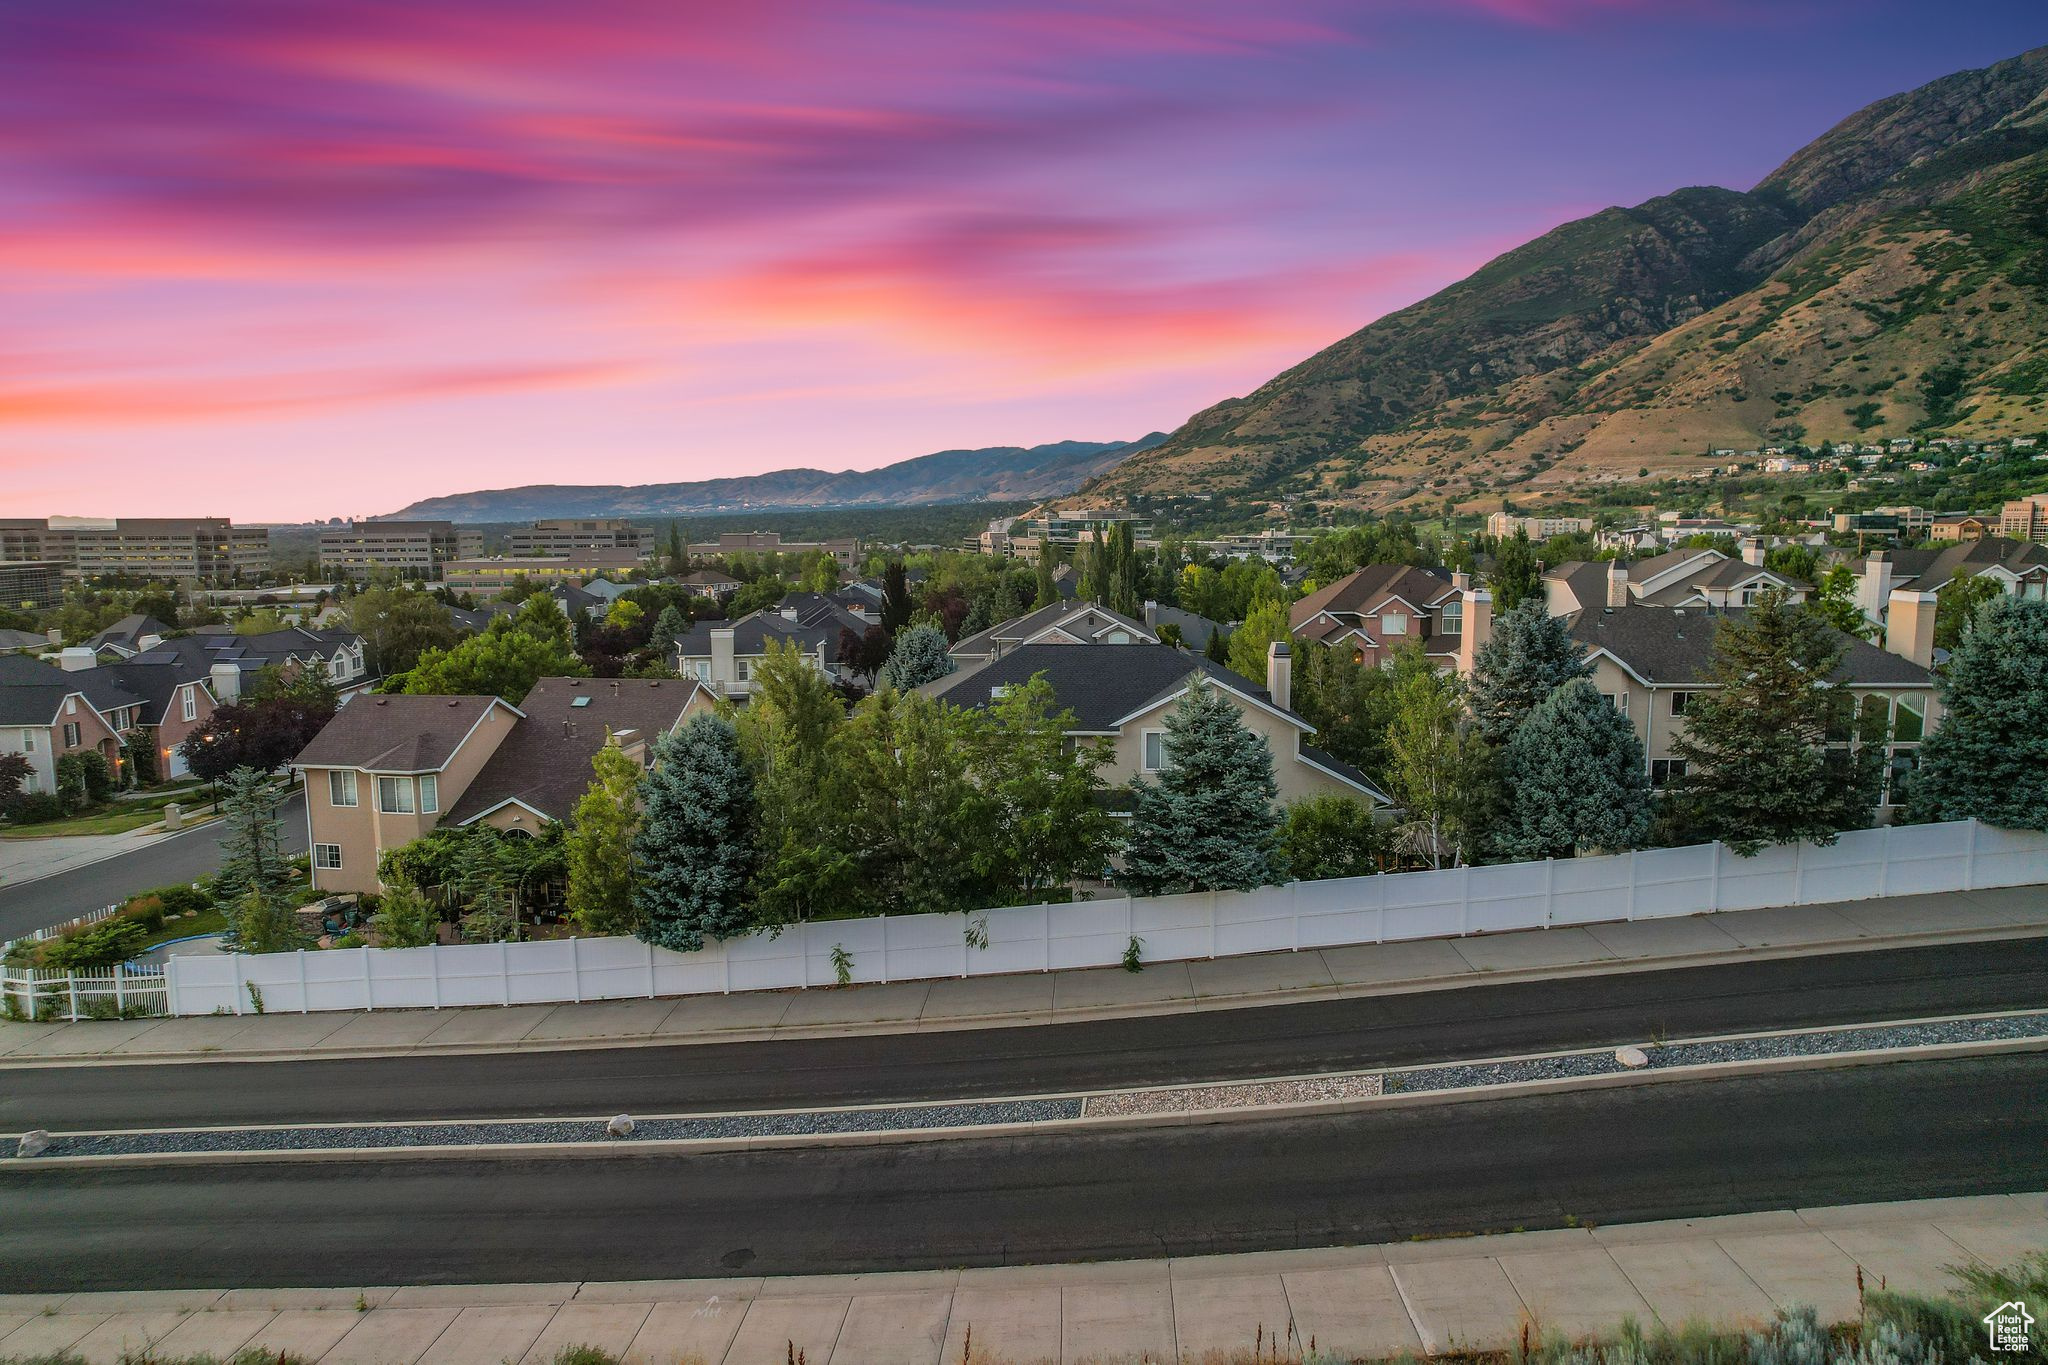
1054,997
1406,1296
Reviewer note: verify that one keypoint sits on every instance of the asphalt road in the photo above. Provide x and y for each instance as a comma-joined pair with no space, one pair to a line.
1908,1130
1468,1023
180,858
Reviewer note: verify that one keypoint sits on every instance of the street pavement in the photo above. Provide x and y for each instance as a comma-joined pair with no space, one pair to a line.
176,858
1401,1028
1433,1296
1789,1139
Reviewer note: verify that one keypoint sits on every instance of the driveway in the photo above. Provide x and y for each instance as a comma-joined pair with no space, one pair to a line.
159,862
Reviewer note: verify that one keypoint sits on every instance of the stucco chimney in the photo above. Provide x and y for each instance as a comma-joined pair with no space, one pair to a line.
1478,628
54,635
77,659
227,682
1753,551
1280,673
1617,583
1461,580
723,673
1874,586
1909,628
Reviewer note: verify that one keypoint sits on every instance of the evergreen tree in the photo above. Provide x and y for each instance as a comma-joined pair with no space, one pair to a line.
405,919
1756,742
669,627
1264,626
1047,589
1834,599
1955,606
1207,821
1217,650
918,657
1575,779
678,555
1088,558
695,843
252,846
896,606
1988,760
1123,571
1531,655
1514,572
1438,768
599,846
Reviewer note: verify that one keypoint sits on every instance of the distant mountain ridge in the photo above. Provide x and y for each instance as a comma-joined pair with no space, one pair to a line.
990,474
1891,277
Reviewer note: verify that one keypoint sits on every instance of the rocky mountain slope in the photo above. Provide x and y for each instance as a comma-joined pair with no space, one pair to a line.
1890,277
994,473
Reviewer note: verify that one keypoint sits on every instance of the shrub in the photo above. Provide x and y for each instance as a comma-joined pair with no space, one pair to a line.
37,807
181,899
101,944
147,910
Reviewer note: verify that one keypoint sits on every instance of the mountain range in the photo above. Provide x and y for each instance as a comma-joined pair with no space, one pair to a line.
1889,278
994,473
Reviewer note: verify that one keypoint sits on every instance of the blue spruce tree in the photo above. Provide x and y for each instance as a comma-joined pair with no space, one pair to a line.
1207,822
1574,778
695,844
1989,758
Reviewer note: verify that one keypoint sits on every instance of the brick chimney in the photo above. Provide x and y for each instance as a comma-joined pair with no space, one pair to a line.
1874,586
1478,628
1280,674
1617,583
1909,628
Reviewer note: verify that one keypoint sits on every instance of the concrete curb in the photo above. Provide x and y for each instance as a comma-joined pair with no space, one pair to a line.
1045,1018
1306,1109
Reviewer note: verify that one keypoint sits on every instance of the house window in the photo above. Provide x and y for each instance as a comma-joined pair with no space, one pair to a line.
743,669
1679,701
1617,700
71,734
327,856
1664,771
1911,720
1454,618
341,788
189,704
71,706
28,741
1155,750
1393,623
430,795
394,795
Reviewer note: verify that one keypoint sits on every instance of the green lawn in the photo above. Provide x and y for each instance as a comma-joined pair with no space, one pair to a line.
118,818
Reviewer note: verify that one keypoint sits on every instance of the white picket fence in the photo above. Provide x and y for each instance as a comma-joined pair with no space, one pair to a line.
112,993
1029,938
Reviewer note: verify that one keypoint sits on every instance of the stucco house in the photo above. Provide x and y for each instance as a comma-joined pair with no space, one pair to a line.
1059,623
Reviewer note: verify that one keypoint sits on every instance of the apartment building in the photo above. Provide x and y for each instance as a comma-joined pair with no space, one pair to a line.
845,550
408,549
389,769
210,550
498,572
1503,525
568,536
2025,519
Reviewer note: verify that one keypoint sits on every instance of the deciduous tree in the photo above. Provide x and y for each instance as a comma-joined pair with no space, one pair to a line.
1438,769
1514,572
1331,836
1264,625
600,845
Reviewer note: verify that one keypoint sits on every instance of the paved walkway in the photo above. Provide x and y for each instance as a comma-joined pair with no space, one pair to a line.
1050,997
1407,1296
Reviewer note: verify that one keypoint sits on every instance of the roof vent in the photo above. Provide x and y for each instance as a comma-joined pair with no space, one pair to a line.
383,701
454,702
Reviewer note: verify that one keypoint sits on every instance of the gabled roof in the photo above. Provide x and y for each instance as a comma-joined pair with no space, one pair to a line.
1672,646
398,734
124,633
32,692
751,634
1928,570
156,683
1103,685
1365,588
1075,618
1585,579
544,764
708,578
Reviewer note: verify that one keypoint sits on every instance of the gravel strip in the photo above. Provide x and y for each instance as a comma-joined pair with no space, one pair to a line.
1192,1098
577,1131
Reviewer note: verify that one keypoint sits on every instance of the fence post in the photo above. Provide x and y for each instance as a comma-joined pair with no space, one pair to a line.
434,975
241,990
1799,873
725,968
1714,876
1549,891
369,986
1464,901
650,968
1970,858
1631,885
302,981
504,973
885,947
575,969
1212,924
1294,911
171,987
1884,865
120,1001
71,983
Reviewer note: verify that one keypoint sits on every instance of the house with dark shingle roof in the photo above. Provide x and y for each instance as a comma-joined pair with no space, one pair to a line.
1058,623
2020,568
1120,697
388,769
724,655
47,712
1649,662
1695,576
1375,610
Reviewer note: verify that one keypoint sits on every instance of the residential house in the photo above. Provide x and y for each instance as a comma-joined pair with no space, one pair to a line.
708,583
1194,628
1375,610
725,655
24,641
389,769
230,662
1952,528
174,702
1122,696
2018,567
1650,662
1060,623
128,637
47,712
1690,577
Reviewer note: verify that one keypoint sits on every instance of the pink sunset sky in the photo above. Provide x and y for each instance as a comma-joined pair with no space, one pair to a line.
296,260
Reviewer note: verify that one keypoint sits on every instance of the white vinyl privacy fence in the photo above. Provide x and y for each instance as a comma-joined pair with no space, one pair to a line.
1027,938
